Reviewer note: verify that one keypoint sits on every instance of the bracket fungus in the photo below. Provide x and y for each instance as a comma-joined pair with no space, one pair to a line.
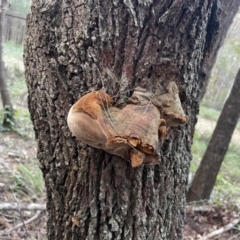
132,132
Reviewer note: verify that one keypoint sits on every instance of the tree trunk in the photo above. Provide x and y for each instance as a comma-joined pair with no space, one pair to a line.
75,47
209,167
6,99
229,10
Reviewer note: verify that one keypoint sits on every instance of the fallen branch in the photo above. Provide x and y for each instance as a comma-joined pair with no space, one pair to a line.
221,230
22,206
203,208
4,223
9,238
36,216
234,237
193,225
7,225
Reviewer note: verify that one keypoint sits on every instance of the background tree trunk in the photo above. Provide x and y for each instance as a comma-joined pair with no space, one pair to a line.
209,167
73,47
5,95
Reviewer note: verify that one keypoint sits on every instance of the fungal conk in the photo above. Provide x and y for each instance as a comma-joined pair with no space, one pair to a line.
132,132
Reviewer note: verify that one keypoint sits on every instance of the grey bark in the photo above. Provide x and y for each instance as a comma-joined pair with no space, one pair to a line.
73,47
5,95
211,162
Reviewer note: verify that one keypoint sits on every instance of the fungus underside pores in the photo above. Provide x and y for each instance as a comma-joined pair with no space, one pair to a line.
132,132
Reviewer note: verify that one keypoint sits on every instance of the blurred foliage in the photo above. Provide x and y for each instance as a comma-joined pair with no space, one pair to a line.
13,58
27,182
209,113
8,119
212,114
20,6
12,51
225,69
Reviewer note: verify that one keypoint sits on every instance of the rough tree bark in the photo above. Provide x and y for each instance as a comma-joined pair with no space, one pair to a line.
5,95
74,47
211,162
229,10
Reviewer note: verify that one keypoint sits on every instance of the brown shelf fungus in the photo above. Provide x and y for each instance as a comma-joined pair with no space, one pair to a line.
132,132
